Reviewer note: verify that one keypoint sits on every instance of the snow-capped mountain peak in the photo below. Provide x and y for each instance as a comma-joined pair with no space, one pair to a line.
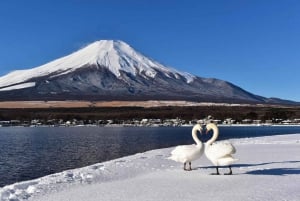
115,55
113,70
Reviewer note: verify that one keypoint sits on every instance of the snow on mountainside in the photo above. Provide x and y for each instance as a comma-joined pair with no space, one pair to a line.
18,86
112,70
115,55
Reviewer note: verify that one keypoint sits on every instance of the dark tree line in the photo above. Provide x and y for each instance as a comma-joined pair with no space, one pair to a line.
126,113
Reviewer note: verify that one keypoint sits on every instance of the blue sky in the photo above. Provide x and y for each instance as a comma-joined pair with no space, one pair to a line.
254,44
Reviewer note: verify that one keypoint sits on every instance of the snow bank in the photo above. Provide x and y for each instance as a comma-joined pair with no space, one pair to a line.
268,169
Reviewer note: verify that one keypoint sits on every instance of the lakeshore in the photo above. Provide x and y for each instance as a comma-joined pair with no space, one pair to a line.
142,113
32,152
258,175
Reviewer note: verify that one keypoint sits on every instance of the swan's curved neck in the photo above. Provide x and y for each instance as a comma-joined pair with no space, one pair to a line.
195,137
215,135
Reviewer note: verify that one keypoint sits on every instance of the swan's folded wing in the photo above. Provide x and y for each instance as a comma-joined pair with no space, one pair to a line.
183,149
221,149
184,153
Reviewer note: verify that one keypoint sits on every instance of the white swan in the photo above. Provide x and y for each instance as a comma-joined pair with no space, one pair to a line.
188,153
220,153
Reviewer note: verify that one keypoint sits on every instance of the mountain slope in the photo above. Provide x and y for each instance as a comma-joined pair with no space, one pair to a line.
115,55
112,70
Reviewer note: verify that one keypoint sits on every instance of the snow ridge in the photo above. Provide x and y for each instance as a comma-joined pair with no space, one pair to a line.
116,55
18,86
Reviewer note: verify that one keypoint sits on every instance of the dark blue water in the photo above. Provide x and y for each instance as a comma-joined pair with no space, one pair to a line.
28,153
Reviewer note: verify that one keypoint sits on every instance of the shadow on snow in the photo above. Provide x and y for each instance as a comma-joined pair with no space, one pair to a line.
266,171
275,171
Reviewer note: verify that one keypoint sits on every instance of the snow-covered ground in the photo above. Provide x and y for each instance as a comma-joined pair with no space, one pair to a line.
268,169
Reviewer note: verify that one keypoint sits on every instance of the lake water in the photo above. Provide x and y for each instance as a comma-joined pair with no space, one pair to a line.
28,153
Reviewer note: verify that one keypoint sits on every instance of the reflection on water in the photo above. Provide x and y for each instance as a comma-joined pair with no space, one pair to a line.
27,153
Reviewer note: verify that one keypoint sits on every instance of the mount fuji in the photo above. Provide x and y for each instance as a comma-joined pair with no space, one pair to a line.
113,70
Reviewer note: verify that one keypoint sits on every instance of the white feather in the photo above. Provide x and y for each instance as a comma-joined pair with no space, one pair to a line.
188,153
219,153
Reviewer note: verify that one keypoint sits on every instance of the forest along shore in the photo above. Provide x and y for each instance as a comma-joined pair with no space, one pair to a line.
51,112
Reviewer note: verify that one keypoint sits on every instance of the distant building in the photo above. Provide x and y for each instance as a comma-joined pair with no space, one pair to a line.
247,121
